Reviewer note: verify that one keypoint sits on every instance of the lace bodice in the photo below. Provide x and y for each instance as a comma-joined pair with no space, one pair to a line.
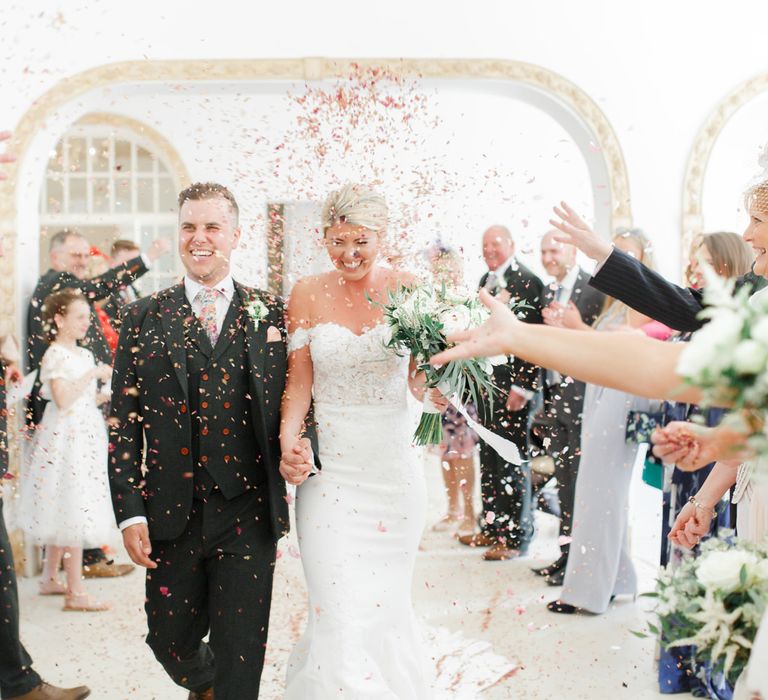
352,369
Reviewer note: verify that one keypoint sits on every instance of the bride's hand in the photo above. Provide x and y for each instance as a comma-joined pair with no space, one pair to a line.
494,337
439,401
296,462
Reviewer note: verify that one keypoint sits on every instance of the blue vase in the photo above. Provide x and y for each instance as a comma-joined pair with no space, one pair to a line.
717,684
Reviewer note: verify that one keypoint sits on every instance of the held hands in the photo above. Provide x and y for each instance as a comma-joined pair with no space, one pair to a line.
296,462
495,337
159,247
691,525
574,231
516,401
136,543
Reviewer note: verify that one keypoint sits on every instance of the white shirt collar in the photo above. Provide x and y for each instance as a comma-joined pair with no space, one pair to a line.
501,270
225,287
569,281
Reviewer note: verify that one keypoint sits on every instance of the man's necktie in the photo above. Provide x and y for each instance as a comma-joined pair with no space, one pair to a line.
207,315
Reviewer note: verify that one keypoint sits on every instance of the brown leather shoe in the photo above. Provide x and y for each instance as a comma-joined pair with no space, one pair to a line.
499,552
44,691
103,569
477,540
205,695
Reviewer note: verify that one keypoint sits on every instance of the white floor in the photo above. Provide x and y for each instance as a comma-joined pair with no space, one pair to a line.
558,656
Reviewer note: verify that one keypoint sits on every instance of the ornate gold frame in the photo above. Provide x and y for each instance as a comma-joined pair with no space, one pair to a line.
692,221
546,83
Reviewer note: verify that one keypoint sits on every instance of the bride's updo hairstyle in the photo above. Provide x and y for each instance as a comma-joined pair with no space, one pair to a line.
756,196
356,205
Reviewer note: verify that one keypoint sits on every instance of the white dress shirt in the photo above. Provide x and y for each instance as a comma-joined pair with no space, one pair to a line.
567,285
226,289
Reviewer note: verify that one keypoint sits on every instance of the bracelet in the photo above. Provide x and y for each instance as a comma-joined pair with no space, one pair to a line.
696,504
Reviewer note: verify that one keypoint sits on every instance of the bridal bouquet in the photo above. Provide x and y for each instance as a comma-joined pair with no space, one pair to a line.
419,319
728,358
715,602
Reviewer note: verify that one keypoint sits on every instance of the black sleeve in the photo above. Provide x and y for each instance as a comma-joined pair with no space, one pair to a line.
646,291
113,279
126,438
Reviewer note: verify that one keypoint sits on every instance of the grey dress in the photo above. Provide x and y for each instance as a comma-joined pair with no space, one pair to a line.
599,564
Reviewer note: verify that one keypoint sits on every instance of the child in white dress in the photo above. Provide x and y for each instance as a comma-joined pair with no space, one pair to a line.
65,503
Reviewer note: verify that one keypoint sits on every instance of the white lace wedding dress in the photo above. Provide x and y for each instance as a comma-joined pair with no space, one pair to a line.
359,522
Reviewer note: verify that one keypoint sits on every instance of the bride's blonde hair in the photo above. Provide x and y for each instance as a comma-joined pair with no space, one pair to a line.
356,205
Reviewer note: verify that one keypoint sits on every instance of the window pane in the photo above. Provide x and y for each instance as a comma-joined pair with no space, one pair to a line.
55,201
77,155
77,197
55,158
100,155
166,195
144,160
145,187
100,195
122,156
123,203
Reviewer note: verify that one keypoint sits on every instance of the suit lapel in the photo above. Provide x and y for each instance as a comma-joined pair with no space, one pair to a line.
175,318
230,327
256,341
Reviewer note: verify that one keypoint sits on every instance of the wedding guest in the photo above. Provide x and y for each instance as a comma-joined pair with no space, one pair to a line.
69,254
64,501
569,294
459,444
599,565
507,522
17,677
121,251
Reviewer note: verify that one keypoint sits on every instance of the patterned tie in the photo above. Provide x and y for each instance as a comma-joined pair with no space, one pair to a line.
207,316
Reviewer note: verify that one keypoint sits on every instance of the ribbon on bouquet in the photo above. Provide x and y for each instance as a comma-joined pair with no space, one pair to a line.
506,449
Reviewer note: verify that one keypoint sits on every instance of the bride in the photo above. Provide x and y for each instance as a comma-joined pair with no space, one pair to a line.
359,519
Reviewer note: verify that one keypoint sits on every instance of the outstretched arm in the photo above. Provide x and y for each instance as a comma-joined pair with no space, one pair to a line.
625,361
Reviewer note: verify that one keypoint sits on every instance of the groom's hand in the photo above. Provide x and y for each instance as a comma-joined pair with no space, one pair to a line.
296,463
136,542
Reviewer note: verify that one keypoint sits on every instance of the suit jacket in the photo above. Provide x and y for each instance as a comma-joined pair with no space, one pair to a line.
151,460
523,285
94,289
627,279
565,400
3,422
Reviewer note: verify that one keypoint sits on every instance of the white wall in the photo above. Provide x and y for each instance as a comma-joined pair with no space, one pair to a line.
655,68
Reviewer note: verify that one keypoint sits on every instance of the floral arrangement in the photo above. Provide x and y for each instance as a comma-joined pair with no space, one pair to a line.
419,319
715,602
728,358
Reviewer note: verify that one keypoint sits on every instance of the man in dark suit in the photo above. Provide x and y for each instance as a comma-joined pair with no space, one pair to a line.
623,277
563,396
195,456
121,252
506,488
17,677
69,253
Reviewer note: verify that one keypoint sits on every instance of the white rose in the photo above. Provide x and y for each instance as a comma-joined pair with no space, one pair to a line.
761,570
749,357
455,318
721,569
760,330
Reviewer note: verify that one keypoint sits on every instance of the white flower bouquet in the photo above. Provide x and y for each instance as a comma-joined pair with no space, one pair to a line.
419,319
728,358
715,602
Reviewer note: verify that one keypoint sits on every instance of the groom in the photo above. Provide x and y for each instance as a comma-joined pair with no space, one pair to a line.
194,456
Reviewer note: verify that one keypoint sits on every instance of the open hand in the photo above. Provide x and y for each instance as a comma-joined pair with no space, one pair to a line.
574,231
494,337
